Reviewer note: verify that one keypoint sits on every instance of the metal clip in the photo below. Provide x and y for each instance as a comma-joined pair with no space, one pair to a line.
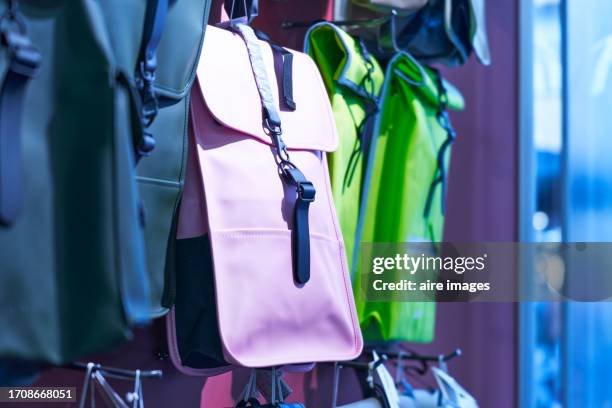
145,83
25,58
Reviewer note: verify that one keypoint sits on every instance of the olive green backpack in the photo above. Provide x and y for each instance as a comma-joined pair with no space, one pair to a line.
74,271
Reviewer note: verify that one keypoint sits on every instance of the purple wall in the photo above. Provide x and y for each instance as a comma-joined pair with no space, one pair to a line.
482,206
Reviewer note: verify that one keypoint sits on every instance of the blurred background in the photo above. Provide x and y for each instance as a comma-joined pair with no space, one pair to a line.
567,192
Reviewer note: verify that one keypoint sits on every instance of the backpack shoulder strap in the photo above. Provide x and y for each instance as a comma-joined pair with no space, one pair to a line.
23,62
305,190
154,23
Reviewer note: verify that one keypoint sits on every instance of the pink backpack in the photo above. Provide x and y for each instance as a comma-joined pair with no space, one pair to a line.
261,276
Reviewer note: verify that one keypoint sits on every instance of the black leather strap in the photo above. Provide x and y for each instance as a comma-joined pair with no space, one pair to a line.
155,20
287,85
23,63
301,231
288,79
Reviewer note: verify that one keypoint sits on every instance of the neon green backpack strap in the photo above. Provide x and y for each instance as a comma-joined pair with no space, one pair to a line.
404,199
353,79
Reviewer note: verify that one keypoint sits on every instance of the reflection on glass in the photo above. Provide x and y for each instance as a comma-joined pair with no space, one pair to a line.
547,219
588,326
572,117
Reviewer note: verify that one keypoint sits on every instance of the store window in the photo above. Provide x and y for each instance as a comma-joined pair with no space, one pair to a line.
588,163
571,187
546,221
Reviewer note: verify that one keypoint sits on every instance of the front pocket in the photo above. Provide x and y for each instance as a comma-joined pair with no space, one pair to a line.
265,317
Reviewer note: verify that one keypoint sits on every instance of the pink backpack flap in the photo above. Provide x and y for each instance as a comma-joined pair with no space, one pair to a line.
257,209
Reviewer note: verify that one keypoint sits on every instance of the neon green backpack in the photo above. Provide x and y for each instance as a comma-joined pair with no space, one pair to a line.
353,80
405,183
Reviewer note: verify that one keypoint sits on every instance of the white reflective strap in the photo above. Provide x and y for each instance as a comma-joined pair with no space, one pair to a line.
259,71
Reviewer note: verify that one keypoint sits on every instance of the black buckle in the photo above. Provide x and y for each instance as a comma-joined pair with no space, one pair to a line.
306,191
25,58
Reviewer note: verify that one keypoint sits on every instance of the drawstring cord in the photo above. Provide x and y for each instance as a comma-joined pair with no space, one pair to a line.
367,86
440,174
